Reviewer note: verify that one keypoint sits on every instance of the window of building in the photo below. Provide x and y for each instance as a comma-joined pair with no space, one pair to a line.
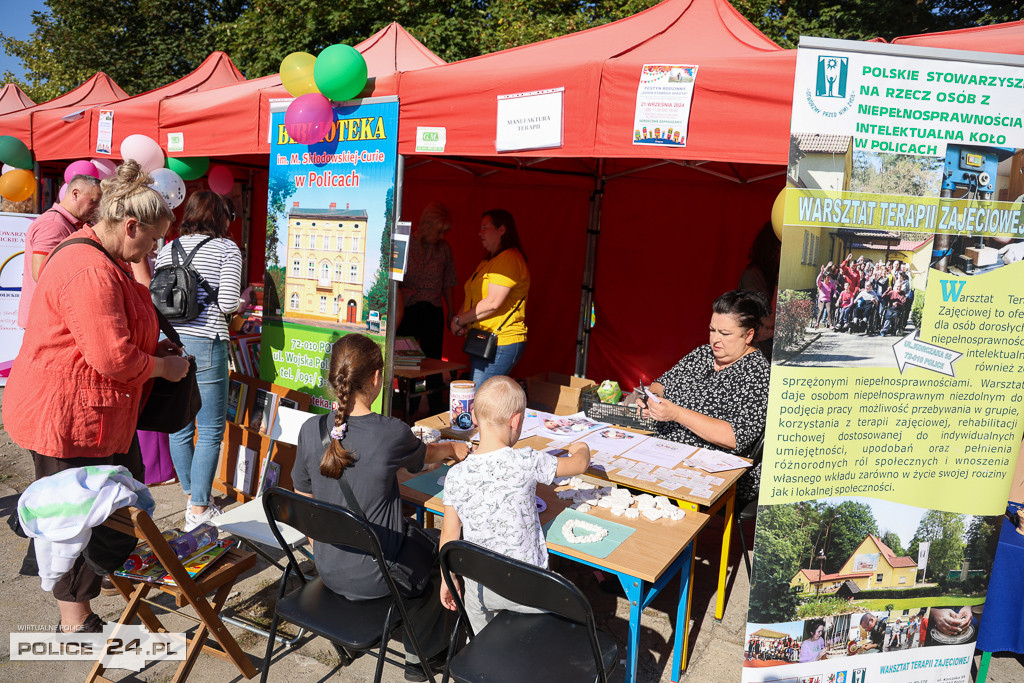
297,242
325,274
355,243
338,242
880,578
338,273
323,304
337,305
311,270
327,242
353,273
312,240
296,268
294,300
903,579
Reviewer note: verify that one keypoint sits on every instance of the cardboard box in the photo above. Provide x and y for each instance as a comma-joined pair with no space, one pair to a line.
556,393
982,256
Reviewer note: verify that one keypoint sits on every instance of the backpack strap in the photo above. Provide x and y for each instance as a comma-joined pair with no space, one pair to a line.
346,488
211,294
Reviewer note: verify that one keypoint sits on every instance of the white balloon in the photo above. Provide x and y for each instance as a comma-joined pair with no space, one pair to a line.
6,168
170,186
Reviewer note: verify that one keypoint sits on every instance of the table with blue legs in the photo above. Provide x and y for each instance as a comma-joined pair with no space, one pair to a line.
644,563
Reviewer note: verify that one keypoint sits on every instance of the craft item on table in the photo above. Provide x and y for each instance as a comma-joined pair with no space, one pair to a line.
572,528
609,392
554,532
582,507
632,513
644,500
619,511
606,502
715,461
426,434
575,425
651,513
440,480
541,505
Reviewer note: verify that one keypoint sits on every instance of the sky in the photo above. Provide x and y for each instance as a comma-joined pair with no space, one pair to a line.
17,23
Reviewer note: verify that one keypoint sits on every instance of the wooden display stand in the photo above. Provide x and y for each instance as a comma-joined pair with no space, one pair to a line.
236,435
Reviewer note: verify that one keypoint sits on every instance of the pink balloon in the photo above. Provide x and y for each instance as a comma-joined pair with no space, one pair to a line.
221,180
80,167
309,118
106,167
63,191
144,150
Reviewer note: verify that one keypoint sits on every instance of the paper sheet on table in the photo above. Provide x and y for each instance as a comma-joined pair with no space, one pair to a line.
660,453
612,441
715,461
570,426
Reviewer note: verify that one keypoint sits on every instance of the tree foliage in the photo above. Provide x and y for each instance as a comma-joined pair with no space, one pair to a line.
143,44
945,532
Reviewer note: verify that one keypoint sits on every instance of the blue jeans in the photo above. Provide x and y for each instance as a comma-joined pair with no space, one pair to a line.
505,358
196,465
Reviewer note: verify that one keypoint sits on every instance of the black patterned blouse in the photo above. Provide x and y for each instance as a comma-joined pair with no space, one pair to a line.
737,394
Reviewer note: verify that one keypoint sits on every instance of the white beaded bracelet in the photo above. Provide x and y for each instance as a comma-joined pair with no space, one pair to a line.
569,531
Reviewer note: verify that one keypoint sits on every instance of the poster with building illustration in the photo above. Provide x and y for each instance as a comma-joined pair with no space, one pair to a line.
330,211
896,406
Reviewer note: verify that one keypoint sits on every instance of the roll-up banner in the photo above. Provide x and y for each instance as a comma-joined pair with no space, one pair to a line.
897,387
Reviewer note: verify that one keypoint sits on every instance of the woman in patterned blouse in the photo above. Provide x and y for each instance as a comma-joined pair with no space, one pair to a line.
717,396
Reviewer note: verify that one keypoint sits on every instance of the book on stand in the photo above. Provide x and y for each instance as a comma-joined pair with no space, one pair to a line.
236,401
407,353
143,565
264,411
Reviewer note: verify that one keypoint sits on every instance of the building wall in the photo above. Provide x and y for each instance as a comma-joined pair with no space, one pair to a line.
820,171
332,287
890,577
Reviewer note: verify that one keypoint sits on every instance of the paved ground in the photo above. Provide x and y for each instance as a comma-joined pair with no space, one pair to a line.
828,348
716,646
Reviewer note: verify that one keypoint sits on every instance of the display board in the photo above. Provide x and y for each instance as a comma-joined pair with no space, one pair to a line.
13,227
330,215
895,410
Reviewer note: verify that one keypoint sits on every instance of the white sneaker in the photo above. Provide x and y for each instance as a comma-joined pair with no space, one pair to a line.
193,520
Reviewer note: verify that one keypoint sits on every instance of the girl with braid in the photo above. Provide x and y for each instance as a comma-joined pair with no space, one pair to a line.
369,448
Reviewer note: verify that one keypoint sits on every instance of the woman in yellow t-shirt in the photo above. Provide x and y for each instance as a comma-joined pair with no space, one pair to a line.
496,296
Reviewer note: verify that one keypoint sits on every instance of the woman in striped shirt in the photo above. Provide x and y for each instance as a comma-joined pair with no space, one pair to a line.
219,262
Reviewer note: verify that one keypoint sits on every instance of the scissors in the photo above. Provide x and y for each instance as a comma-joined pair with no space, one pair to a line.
642,393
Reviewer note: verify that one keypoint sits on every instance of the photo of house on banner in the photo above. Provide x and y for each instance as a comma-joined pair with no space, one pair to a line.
869,569
326,260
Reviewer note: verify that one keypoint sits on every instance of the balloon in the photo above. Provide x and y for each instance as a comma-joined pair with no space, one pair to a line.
340,72
6,168
63,191
17,185
14,152
144,150
221,180
106,167
189,168
170,186
80,167
309,118
297,74
778,209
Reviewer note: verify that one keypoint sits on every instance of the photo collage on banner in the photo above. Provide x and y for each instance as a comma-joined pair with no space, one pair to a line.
895,412
330,211
13,227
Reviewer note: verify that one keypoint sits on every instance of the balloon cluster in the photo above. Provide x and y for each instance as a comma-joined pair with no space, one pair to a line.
169,173
337,74
17,183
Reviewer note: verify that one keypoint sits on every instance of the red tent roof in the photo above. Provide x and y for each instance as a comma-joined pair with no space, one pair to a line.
234,120
13,98
54,138
891,557
743,78
99,89
1006,38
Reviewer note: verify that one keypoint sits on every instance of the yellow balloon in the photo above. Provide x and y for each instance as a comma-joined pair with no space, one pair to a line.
297,74
778,211
17,185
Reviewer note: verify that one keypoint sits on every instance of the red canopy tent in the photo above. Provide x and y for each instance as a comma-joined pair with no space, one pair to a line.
235,119
99,89
675,223
12,98
1005,38
53,138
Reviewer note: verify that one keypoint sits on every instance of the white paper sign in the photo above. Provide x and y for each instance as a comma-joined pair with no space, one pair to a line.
104,131
529,120
175,142
662,113
431,138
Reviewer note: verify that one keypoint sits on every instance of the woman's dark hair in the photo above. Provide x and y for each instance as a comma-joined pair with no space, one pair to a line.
501,217
205,214
813,625
747,305
765,253
354,360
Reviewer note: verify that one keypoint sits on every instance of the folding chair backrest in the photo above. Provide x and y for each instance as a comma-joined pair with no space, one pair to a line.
517,581
321,522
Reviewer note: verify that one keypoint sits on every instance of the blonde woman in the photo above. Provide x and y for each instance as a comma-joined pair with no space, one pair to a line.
72,398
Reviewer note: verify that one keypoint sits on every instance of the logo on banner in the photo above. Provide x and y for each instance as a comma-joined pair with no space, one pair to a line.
859,676
837,677
832,94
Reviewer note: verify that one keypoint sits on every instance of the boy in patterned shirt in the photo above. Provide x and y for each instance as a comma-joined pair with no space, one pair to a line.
490,497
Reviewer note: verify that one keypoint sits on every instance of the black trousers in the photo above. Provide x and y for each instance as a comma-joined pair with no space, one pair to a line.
107,549
425,322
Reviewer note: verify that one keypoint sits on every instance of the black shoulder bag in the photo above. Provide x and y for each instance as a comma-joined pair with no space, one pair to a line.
483,343
171,406
418,553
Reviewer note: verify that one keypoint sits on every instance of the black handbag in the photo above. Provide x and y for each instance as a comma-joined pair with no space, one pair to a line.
171,406
483,343
418,553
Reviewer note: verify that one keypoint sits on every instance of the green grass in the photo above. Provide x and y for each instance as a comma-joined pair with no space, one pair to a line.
908,603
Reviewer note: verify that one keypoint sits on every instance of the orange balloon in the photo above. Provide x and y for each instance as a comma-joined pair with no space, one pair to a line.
17,185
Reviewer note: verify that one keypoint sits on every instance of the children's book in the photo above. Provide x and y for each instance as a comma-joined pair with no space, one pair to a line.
264,410
236,400
151,570
245,465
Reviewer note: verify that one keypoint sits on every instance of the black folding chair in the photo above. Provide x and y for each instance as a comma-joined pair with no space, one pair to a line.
356,625
561,645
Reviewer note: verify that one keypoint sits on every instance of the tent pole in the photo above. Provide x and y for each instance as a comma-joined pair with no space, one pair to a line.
587,288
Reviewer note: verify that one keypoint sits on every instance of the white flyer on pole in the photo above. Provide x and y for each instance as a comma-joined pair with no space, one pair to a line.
663,98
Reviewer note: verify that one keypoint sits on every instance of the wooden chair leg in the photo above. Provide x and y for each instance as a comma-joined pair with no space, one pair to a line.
210,624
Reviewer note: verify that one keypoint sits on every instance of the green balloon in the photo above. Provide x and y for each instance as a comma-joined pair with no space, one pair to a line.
13,152
340,73
189,168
